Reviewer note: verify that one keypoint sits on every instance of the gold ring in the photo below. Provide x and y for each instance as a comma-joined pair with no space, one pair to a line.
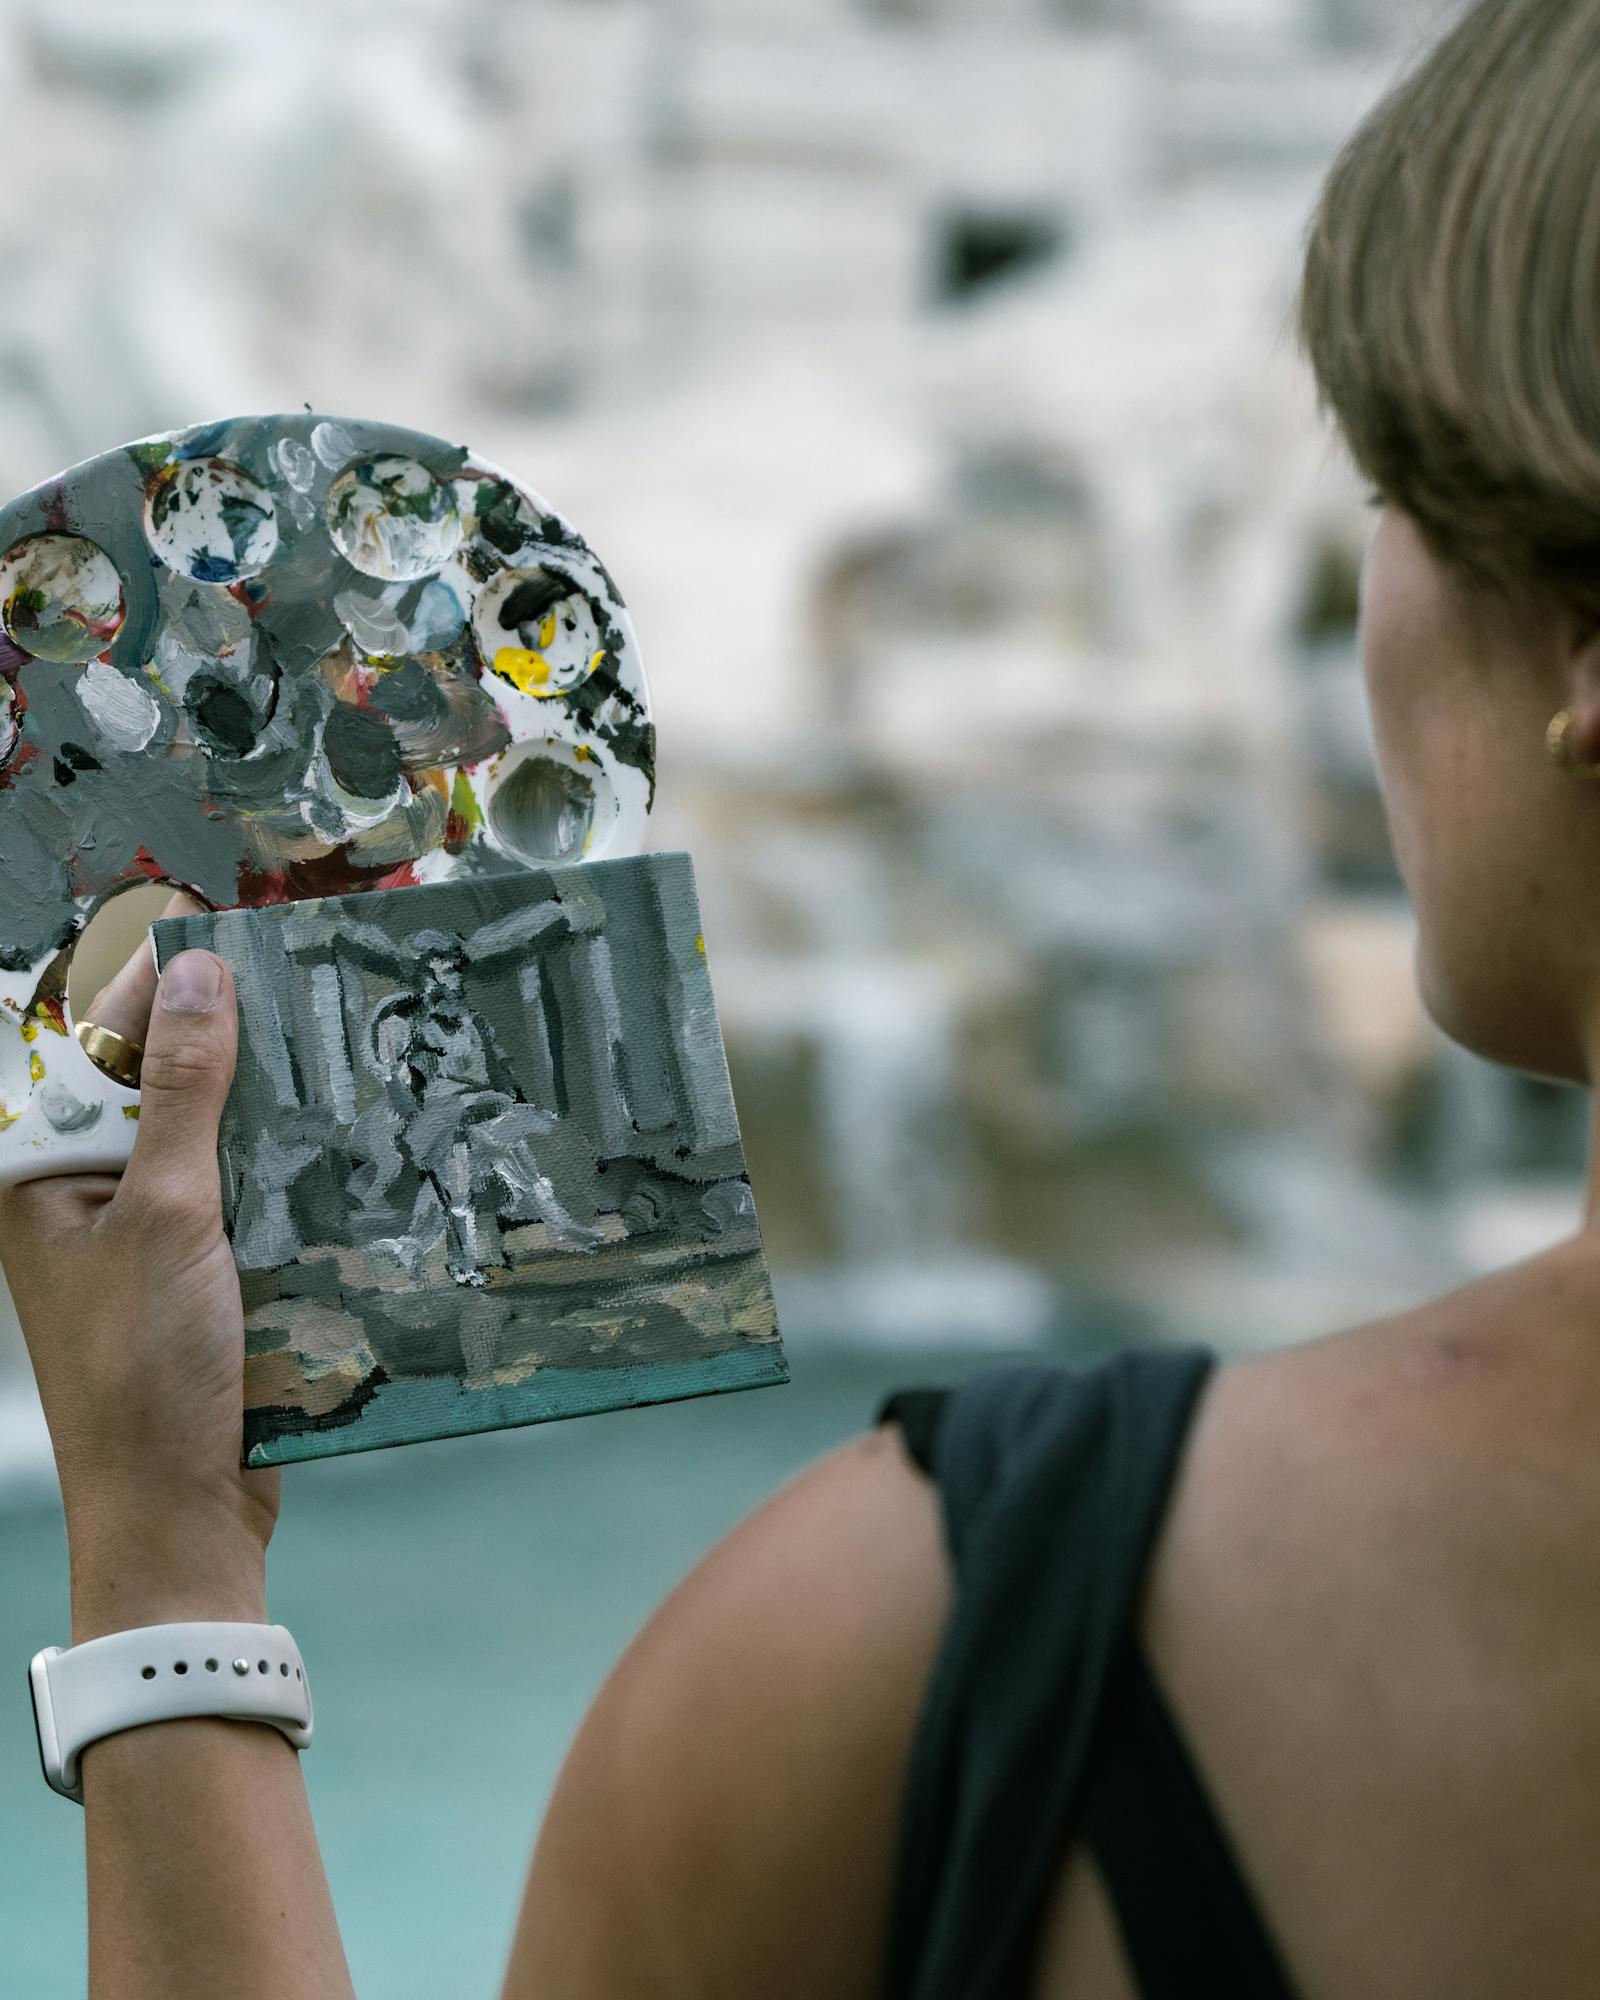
107,1050
1556,739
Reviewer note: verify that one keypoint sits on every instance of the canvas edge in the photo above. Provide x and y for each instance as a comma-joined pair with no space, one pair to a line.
598,1392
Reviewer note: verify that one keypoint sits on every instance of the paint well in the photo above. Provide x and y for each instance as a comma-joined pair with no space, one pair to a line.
544,811
391,518
537,629
61,597
209,520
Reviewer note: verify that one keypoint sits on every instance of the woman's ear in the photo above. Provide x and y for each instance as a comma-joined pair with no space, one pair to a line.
1583,695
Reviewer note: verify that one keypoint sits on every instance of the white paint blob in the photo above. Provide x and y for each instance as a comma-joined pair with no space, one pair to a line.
126,714
333,444
296,469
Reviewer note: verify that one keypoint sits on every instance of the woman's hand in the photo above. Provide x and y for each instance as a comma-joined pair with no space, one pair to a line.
129,1302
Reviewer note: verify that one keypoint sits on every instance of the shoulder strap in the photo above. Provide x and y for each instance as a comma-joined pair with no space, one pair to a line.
1045,1473
1189,1923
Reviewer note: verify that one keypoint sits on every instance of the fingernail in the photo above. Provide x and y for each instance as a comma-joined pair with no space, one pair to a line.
191,984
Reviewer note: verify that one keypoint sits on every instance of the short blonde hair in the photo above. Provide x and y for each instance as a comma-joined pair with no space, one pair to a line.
1450,305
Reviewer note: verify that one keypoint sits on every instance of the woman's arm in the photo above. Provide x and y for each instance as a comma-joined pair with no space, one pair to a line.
726,1822
204,1875
203,1870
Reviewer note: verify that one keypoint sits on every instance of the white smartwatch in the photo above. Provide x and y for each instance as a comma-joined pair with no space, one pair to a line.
156,1673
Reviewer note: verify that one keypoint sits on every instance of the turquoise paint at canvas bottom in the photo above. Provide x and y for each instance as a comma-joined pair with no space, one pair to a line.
406,1412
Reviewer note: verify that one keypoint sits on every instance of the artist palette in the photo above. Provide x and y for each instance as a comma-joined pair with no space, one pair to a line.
280,658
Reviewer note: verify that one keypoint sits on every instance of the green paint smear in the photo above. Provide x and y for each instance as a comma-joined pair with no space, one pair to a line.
464,801
414,1412
151,455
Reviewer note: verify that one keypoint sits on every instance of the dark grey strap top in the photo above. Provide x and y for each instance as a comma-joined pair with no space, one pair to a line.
1042,1720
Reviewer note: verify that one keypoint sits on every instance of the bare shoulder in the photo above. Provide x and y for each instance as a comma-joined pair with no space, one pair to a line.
1380,1478
726,1819
1373,1608
1504,1368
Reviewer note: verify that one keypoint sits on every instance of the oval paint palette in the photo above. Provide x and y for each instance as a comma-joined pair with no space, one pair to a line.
278,658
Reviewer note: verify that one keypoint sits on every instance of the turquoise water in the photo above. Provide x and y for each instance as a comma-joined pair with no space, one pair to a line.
458,1605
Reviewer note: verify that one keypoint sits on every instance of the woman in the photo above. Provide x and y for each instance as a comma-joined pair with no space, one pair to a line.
1276,1678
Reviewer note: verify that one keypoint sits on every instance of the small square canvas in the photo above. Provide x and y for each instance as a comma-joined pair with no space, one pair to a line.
480,1163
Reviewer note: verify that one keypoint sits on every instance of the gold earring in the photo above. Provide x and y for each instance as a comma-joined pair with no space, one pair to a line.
1557,742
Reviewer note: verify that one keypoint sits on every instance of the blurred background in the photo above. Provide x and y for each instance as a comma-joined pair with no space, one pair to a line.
922,370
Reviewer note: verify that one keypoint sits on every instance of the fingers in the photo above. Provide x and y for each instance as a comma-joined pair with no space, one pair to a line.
189,1051
40,1216
124,1003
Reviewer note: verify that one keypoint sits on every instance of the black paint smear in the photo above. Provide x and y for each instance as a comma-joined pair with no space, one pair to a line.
632,739
536,595
276,1420
501,520
362,752
503,523
556,531
555,1037
225,719
72,758
479,563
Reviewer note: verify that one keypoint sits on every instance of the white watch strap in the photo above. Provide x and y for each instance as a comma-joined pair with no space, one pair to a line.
155,1673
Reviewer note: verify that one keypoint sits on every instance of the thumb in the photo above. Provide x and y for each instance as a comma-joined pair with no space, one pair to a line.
188,1063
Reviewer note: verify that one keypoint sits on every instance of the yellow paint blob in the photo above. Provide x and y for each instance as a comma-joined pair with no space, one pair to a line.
547,631
130,1111
700,944
583,753
527,670
30,1030
8,1117
598,657
36,1066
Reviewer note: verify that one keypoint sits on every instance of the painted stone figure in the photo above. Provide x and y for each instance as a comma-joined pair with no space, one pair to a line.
463,1123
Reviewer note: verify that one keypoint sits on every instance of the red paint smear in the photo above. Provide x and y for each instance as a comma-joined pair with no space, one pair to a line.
19,760
303,881
54,1011
456,832
55,509
252,595
99,628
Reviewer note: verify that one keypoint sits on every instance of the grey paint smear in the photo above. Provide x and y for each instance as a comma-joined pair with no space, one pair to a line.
65,1111
434,1134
